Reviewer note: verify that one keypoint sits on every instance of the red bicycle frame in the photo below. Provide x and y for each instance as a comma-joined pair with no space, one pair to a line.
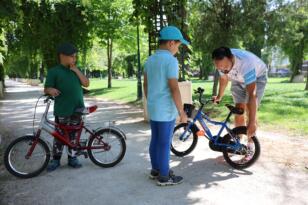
53,129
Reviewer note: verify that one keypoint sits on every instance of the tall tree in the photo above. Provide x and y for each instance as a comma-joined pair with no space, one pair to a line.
252,25
41,27
8,12
289,29
215,26
111,16
163,13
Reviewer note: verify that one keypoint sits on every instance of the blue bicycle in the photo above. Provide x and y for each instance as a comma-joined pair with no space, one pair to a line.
234,145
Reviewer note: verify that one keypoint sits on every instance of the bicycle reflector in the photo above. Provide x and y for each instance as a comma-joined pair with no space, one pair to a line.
92,108
200,133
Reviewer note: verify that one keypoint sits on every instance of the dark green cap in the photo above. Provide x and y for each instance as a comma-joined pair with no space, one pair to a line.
66,49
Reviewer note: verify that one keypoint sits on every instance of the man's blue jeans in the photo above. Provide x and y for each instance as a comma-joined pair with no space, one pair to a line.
160,145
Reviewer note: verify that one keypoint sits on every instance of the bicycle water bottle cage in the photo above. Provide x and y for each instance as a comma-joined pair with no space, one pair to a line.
235,110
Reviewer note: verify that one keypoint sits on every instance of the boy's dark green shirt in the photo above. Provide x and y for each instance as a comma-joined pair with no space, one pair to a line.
68,83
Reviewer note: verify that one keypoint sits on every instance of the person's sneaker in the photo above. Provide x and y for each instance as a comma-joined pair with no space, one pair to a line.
154,174
250,152
169,181
53,165
74,162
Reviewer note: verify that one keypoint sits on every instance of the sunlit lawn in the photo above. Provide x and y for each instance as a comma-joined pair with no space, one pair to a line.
283,108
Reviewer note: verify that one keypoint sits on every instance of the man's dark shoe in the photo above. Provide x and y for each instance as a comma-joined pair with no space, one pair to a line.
74,162
53,165
169,181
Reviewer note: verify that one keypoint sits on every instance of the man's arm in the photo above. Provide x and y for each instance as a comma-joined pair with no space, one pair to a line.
176,95
145,85
252,109
83,79
223,82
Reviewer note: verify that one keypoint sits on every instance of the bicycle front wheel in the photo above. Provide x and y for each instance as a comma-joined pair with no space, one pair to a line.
107,147
19,164
183,147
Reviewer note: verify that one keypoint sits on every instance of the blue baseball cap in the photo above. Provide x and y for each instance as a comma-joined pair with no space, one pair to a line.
172,33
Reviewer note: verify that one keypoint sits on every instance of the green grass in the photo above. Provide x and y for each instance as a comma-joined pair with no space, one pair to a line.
283,108
122,90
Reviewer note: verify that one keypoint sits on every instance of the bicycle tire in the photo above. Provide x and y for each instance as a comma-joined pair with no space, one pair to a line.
242,131
120,155
191,147
12,167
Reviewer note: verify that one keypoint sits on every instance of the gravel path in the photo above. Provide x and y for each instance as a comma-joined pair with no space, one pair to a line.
279,177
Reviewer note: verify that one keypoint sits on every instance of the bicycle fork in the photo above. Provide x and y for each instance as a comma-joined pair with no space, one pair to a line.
191,128
34,143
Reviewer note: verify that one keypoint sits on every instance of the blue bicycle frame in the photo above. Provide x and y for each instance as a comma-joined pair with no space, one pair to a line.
203,119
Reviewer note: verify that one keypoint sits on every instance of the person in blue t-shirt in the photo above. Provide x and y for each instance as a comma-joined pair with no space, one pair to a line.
164,102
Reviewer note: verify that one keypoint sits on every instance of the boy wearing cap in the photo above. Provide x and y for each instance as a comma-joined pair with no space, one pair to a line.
164,102
64,82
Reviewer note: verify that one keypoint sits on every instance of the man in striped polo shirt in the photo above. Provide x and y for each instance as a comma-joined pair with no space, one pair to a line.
248,75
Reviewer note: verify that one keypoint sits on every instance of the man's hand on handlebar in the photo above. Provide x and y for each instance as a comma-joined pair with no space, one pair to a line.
216,99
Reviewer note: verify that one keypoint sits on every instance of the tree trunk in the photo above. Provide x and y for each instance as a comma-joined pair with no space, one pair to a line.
306,81
42,72
109,57
1,81
201,72
1,72
84,59
296,59
296,64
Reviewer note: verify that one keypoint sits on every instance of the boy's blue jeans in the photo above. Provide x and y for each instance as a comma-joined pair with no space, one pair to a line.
162,133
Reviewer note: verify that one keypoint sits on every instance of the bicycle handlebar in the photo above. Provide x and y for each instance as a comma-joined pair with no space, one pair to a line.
49,97
200,92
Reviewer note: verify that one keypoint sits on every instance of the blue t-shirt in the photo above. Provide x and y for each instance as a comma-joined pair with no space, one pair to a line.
159,68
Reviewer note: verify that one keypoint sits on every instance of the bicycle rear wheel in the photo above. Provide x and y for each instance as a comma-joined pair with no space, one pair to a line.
179,147
19,165
107,147
245,157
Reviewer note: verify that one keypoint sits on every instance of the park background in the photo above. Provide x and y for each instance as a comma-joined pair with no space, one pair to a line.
115,38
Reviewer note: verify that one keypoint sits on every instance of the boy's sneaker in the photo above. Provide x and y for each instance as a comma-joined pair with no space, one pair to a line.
74,162
53,165
154,174
169,181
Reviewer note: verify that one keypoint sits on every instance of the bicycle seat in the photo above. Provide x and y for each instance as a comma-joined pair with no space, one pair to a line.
86,110
235,110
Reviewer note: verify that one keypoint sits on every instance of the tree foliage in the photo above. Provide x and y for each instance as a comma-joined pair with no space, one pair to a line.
30,31
111,18
38,28
289,30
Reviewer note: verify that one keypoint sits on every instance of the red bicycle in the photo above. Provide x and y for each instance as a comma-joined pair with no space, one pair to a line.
28,156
